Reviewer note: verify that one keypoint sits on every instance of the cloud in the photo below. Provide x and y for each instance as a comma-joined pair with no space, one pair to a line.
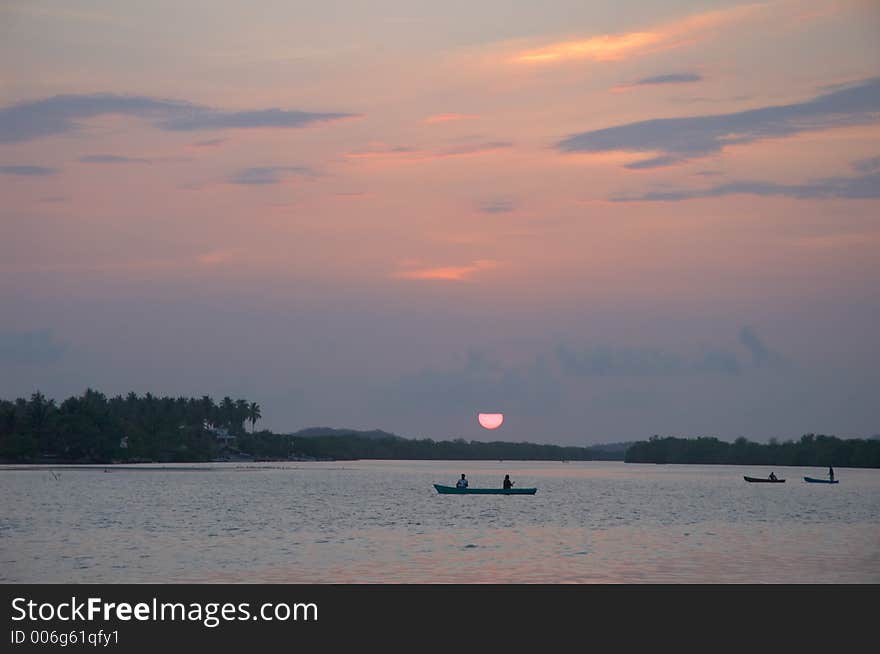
762,356
29,347
447,118
59,114
215,257
669,78
112,159
268,174
209,143
870,165
760,353
653,162
607,47
382,151
606,361
28,171
865,187
695,136
660,80
615,47
481,383
278,118
498,206
407,153
447,273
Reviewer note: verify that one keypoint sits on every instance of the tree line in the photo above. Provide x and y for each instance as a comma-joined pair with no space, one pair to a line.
811,450
93,428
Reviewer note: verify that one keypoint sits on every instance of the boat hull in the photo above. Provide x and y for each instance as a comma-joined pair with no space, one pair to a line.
452,490
813,480
764,480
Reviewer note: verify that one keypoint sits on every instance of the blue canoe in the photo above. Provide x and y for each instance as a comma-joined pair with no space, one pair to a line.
813,480
452,490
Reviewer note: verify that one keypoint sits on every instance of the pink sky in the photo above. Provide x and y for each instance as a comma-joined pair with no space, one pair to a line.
606,220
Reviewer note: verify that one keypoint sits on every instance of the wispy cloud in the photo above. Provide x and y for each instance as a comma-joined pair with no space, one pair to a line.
407,153
653,162
870,165
855,188
269,174
447,273
612,47
28,171
762,356
606,361
277,118
660,80
113,159
448,118
209,143
669,78
498,206
215,257
383,151
693,136
59,115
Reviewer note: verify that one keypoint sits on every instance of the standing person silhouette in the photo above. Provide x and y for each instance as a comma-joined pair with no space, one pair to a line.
830,473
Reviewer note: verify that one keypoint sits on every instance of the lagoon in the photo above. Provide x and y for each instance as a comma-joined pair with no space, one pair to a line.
383,522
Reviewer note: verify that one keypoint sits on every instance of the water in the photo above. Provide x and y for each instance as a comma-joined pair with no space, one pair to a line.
383,522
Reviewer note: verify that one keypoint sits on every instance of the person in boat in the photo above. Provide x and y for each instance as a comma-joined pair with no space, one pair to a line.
772,476
830,473
462,483
507,482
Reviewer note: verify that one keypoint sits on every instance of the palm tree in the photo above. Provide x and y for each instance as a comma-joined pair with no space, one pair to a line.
241,415
227,412
254,414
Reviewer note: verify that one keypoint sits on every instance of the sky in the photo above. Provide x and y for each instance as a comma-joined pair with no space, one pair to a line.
605,220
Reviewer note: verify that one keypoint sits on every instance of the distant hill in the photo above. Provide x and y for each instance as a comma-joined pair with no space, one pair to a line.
316,432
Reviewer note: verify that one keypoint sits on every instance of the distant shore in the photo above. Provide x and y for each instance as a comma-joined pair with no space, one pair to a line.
92,429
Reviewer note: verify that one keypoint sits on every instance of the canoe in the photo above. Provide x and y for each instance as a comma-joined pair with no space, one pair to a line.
813,480
764,479
452,490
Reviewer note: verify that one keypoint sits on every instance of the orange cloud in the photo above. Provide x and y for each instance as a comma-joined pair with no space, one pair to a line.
446,118
448,273
607,47
612,47
413,154
214,257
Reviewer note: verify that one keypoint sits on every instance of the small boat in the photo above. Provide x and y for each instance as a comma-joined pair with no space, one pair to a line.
452,490
813,480
765,480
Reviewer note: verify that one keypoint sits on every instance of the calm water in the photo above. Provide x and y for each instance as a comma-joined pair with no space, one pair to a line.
382,521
